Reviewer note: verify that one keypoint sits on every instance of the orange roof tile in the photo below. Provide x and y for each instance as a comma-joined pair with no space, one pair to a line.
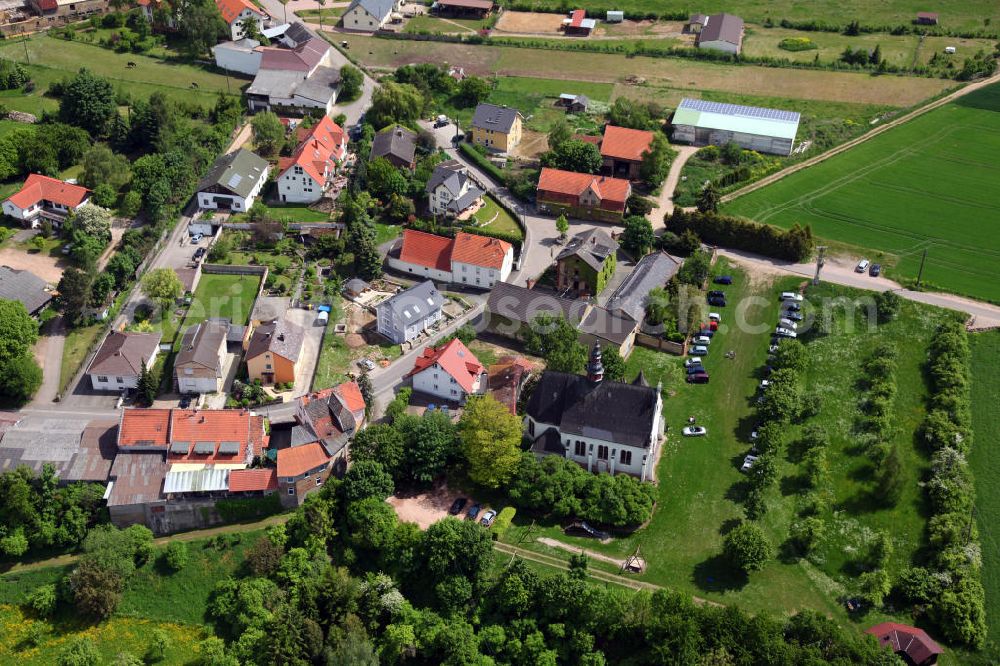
455,359
480,250
425,249
38,188
574,184
144,427
625,144
319,146
300,459
247,480
350,393
231,9
216,426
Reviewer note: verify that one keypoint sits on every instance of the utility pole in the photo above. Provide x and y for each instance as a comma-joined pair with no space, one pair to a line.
24,40
820,261
920,273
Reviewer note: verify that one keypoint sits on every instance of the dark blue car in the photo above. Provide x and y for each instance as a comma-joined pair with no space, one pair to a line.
723,279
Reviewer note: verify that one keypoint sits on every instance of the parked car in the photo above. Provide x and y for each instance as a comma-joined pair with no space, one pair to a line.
367,364
185,401
457,506
694,431
784,333
67,248
698,378
715,316
754,435
748,463
723,279
717,301
710,325
488,518
473,511
875,270
583,529
699,350
862,266
792,296
199,253
785,322
792,316
764,384
695,369
702,340
791,306
196,238
692,360
773,348
716,292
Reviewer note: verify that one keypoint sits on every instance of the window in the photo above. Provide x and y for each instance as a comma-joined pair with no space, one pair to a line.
102,378
319,480
120,380
267,366
625,458
454,392
291,490
580,448
531,428
602,452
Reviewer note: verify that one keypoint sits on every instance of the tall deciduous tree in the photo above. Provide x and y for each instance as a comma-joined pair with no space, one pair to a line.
162,285
614,364
638,236
18,331
88,101
491,439
268,132
555,340
75,289
746,547
574,155
351,80
395,102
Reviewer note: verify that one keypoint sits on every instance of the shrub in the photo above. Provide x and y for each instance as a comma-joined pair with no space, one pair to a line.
43,600
482,162
806,534
747,548
503,522
236,510
176,555
794,244
797,44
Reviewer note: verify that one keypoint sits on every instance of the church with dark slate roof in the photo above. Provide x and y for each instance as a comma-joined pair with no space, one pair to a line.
603,425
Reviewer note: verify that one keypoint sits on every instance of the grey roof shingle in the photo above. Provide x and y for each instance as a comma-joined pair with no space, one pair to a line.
396,141
593,246
237,172
652,272
722,28
493,117
523,305
419,301
122,354
281,337
380,9
23,286
614,327
201,344
612,411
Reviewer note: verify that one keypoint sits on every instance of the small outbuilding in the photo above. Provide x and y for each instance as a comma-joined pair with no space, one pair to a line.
573,103
911,644
578,24
614,16
695,23
926,18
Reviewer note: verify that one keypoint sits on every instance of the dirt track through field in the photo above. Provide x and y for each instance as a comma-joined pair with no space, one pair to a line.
763,182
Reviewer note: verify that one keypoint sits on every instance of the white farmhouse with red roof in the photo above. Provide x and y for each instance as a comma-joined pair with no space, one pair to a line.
42,197
234,12
469,259
450,372
305,176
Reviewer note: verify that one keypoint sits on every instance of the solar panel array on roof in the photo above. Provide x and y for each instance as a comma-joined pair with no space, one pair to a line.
229,448
180,447
204,448
234,180
739,110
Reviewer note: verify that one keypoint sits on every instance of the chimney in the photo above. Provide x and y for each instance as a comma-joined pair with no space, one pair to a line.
595,369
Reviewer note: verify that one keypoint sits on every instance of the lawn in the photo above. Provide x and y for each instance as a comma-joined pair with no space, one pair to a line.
51,60
986,469
536,99
291,213
227,296
425,23
495,218
699,481
79,342
678,73
330,15
966,15
386,232
929,185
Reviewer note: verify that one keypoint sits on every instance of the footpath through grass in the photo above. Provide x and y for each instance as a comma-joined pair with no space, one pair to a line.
930,184
986,470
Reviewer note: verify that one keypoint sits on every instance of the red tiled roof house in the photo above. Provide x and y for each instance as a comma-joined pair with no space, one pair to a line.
450,372
305,176
622,149
911,644
582,195
468,259
46,198
234,12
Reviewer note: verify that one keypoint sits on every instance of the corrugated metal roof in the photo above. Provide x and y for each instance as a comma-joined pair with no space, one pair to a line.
776,123
196,481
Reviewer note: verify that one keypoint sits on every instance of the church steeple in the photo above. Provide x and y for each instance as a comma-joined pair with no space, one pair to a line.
595,369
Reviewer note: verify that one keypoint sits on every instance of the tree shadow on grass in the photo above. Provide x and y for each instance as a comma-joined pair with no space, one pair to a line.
796,484
717,574
737,492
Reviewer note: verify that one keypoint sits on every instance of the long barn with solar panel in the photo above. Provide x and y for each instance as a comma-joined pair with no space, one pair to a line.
700,123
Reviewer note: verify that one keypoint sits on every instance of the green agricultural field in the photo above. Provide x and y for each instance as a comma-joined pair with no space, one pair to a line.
954,14
700,483
986,470
50,60
929,185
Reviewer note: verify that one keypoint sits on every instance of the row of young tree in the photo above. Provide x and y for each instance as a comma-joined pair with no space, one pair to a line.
20,374
949,586
795,244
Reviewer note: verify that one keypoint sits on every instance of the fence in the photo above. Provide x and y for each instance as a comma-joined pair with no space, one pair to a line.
659,344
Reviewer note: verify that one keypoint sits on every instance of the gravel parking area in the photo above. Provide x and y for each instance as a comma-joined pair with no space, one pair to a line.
425,508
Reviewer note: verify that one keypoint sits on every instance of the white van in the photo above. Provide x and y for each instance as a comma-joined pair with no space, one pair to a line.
862,266
949,49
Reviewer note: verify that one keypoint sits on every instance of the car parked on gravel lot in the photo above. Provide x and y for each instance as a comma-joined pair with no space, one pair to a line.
795,297
698,378
473,511
862,266
367,364
457,506
694,431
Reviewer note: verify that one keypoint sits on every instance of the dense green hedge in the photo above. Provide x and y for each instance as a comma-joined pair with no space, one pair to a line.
492,170
794,244
503,521
236,510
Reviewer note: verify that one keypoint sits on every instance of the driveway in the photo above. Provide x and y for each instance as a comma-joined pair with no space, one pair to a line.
665,202
48,352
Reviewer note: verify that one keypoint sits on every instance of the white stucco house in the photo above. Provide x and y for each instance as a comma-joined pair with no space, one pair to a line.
451,192
241,56
368,15
602,425
409,313
449,372
120,359
235,12
306,175
234,182
44,198
468,259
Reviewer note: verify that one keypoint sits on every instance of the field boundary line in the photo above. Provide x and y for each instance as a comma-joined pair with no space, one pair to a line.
836,150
